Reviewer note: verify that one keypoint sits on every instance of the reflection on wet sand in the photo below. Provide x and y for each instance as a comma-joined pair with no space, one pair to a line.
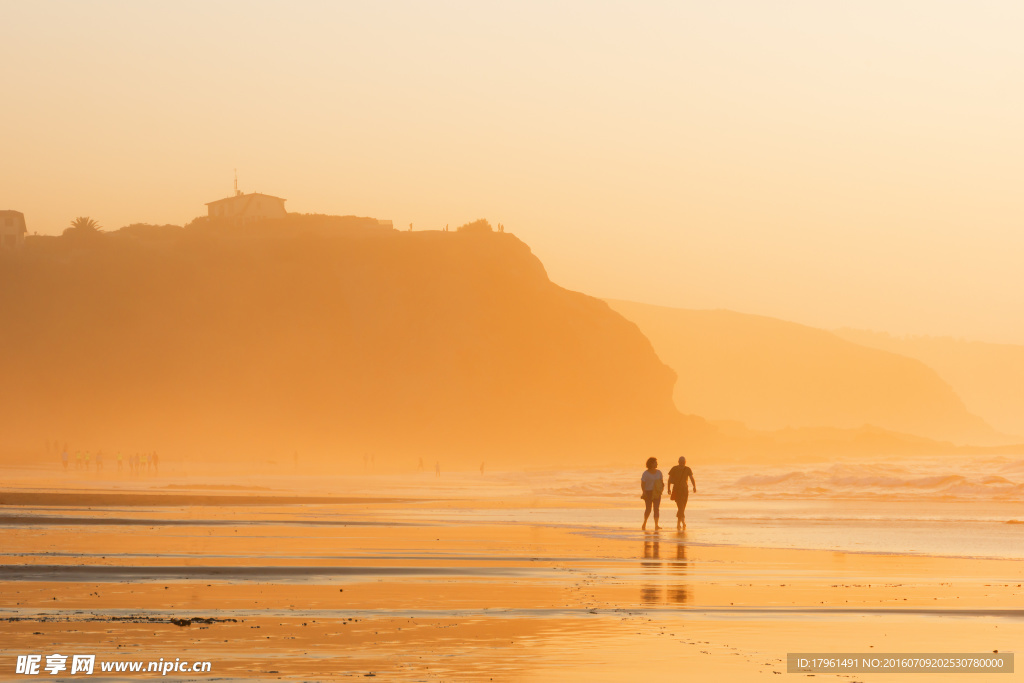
664,591
678,593
651,593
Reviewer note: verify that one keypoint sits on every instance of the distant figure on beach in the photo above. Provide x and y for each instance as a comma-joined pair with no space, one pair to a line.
78,460
651,485
437,468
156,462
99,460
88,460
481,469
420,467
678,492
64,458
120,461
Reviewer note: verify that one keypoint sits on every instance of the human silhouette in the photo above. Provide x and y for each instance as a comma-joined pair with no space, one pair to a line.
64,458
481,469
419,468
437,468
678,492
651,485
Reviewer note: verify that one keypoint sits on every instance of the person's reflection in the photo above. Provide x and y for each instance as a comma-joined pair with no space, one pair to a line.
678,566
678,593
651,593
651,552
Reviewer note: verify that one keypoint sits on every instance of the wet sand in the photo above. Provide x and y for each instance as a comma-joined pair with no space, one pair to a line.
437,590
108,498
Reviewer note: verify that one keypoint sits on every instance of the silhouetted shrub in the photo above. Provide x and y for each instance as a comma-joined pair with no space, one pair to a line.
479,225
146,231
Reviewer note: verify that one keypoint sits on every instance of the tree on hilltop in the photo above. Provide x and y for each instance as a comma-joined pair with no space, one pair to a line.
83,228
84,223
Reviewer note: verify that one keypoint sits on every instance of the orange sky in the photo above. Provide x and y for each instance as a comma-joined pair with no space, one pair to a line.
831,163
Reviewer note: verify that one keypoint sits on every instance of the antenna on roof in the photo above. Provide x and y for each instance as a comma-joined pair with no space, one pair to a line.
236,183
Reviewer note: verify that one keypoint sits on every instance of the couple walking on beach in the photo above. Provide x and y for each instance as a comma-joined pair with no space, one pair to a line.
652,484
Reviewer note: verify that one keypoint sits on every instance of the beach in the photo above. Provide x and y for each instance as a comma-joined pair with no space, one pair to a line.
356,340
507,576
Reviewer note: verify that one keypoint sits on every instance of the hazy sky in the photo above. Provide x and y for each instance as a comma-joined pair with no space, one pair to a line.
834,163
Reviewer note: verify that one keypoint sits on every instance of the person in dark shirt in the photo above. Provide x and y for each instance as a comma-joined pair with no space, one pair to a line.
677,491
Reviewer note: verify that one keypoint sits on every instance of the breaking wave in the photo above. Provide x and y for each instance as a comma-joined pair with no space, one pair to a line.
990,480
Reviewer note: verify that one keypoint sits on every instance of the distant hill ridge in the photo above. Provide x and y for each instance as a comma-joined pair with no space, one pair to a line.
339,339
988,377
770,374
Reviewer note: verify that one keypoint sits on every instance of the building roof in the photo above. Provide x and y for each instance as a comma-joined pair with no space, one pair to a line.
240,196
19,224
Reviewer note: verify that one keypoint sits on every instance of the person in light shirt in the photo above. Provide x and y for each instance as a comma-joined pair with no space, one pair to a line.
651,485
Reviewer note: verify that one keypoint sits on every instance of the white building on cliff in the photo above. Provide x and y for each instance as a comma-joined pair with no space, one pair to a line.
12,229
247,207
243,208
